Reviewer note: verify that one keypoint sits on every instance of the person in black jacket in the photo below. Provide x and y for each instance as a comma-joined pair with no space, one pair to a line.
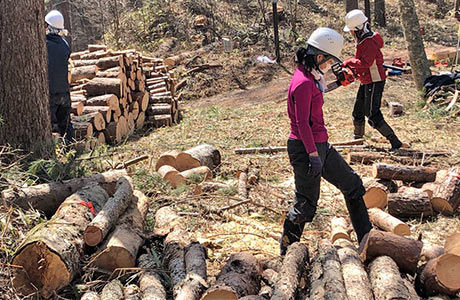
58,59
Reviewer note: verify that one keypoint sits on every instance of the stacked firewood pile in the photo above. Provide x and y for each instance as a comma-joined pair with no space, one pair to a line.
110,93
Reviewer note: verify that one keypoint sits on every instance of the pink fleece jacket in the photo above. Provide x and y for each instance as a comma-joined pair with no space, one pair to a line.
305,108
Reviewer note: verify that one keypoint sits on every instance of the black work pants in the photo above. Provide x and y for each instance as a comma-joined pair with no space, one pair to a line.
368,103
336,171
60,105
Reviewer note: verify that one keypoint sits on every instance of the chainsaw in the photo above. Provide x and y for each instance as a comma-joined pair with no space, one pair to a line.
346,76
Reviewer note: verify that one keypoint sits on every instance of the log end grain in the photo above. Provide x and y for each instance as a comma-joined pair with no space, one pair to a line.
448,271
172,176
375,197
441,205
220,293
186,161
452,244
93,236
112,258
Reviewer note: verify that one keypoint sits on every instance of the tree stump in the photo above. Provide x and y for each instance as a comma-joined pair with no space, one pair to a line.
240,277
404,251
439,276
404,173
50,255
355,277
446,197
295,264
387,222
386,280
409,203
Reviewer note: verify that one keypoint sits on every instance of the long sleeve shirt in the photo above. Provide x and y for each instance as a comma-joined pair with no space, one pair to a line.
305,109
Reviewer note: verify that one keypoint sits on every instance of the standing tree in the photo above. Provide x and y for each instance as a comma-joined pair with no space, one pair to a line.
411,27
367,9
24,104
379,13
351,4
457,10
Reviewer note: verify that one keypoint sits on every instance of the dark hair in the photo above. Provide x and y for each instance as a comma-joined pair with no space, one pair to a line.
307,60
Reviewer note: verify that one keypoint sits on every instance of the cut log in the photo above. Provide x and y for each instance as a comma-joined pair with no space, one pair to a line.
440,275
200,171
48,196
171,176
101,86
240,277
112,210
211,187
150,283
431,251
177,59
131,292
387,222
121,246
82,130
185,161
166,219
316,279
339,229
159,121
90,296
242,175
174,251
140,120
207,155
112,291
143,99
452,244
295,263
429,188
355,277
404,251
134,109
365,158
84,62
83,72
77,108
105,111
94,48
395,109
194,284
50,255
109,100
159,98
377,192
334,287
386,280
409,203
113,132
159,109
109,62
412,292
446,197
94,118
77,55
404,173
253,297
95,55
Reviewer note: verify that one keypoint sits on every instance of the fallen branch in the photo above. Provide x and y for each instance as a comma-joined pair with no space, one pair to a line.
202,68
130,162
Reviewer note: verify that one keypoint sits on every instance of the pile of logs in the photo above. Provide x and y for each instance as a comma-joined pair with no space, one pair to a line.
110,93
176,167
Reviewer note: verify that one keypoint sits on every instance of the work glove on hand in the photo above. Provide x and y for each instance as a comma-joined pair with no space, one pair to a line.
316,166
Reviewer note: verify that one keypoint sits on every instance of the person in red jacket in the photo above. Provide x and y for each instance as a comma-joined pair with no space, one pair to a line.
310,154
368,66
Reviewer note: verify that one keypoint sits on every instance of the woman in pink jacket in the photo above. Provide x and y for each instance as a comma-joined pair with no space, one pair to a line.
368,65
310,154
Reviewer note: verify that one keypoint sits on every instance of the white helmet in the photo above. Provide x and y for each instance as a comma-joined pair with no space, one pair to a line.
55,19
354,20
328,41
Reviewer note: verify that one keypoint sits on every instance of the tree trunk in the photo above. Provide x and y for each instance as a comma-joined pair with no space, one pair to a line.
150,282
24,108
90,296
112,291
446,197
439,276
404,173
409,203
411,28
431,251
48,196
112,210
339,229
334,287
121,246
194,284
376,192
207,155
109,100
295,264
380,13
101,86
404,251
367,10
50,255
354,273
172,176
351,4
200,171
240,277
386,280
387,222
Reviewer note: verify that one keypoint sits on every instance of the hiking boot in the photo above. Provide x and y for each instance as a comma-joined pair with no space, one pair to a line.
390,135
359,130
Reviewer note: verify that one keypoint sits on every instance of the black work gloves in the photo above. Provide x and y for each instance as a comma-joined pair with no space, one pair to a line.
316,166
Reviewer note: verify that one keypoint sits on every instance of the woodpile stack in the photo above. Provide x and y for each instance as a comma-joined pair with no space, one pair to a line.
110,94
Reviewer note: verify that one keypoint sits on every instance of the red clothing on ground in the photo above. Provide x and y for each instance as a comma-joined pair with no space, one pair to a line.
305,109
368,60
